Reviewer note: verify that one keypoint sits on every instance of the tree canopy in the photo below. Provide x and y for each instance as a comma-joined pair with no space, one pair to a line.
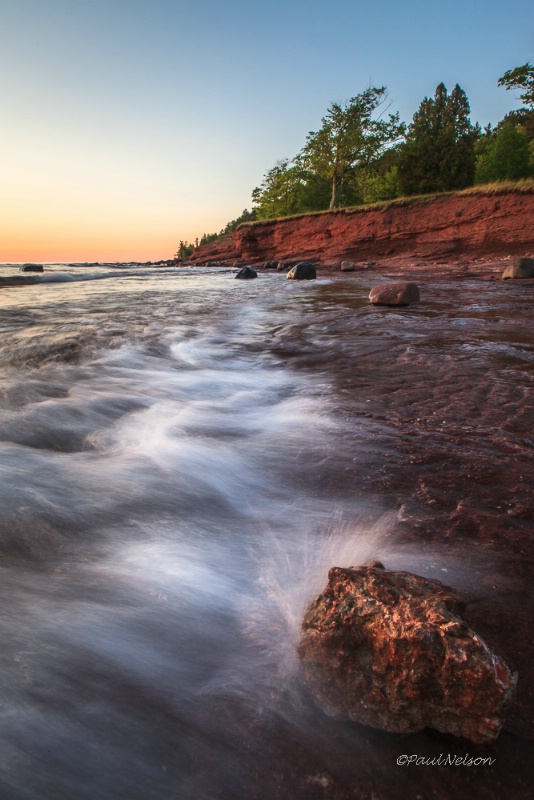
503,155
521,78
439,152
349,138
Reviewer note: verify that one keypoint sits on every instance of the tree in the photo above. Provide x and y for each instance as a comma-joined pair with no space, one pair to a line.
439,152
288,188
278,194
504,156
350,138
521,78
185,250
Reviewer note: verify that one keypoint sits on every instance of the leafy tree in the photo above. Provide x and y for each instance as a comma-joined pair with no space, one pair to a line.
503,154
279,193
521,78
350,138
439,151
378,185
288,188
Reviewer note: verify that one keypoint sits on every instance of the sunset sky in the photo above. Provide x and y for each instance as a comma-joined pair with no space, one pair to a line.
127,125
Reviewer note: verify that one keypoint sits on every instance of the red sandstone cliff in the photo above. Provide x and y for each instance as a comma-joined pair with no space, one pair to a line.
476,223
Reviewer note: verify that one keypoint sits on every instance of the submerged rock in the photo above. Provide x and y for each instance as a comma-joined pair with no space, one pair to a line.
303,271
395,294
519,268
18,280
389,650
32,268
247,273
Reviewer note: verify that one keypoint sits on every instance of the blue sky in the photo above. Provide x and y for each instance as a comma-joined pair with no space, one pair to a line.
128,125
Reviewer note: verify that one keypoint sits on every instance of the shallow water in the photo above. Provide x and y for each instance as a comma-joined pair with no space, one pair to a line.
182,458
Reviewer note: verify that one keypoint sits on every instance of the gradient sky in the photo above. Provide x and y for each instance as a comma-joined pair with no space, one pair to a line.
127,125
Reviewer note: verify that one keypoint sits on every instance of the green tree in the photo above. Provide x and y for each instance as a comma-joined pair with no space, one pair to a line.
378,185
503,154
521,78
288,188
279,192
350,138
439,152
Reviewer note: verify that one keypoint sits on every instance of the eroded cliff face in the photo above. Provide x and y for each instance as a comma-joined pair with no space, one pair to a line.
471,224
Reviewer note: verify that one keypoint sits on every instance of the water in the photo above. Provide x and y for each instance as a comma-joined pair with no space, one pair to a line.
183,457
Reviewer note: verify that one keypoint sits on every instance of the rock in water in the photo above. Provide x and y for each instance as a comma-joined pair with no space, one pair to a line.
247,273
32,268
303,271
519,268
389,650
394,294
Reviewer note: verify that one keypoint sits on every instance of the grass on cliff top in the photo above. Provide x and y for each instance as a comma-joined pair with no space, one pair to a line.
523,186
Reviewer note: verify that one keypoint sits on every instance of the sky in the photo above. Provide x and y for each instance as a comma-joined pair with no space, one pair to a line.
128,125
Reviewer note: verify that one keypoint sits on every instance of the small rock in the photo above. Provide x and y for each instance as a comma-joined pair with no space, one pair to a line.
348,266
303,271
389,650
519,268
395,294
246,273
270,265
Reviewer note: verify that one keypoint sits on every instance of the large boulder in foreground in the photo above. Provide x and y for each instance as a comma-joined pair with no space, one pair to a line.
389,650
395,294
303,271
519,268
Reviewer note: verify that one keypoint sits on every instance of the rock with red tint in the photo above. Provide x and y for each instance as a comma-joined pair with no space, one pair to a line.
390,650
395,294
519,268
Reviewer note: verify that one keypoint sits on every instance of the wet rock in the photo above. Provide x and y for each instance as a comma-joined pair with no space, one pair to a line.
271,265
246,273
389,649
348,266
519,268
395,294
32,268
303,271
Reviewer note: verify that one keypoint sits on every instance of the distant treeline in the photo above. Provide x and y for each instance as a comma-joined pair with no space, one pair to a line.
362,155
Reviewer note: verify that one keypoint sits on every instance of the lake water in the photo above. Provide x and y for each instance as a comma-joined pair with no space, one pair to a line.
183,457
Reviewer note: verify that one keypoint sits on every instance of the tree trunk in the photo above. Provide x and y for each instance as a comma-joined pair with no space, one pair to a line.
334,193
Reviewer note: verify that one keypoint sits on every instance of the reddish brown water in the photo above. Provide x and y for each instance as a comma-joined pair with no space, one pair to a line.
183,457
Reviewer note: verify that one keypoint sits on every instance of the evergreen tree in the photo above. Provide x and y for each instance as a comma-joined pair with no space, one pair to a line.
439,151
